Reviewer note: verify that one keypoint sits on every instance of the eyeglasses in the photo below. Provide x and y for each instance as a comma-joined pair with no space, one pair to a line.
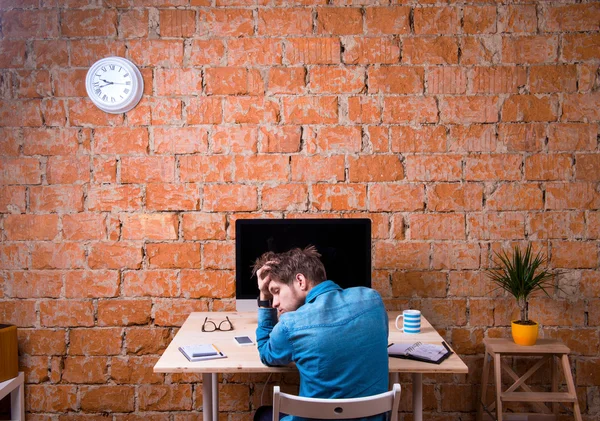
210,326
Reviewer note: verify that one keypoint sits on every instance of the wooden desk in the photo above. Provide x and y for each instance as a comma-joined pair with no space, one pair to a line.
245,359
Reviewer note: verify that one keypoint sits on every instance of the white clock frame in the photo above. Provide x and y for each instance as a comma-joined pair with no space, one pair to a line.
132,77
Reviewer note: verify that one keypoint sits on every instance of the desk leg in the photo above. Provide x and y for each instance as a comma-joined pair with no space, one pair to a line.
215,396
207,398
17,400
417,380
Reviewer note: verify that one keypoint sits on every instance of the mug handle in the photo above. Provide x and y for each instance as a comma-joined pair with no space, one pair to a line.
401,329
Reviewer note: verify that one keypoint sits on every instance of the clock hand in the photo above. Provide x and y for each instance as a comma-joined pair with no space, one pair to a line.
108,82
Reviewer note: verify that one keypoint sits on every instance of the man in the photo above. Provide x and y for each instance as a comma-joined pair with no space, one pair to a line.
336,337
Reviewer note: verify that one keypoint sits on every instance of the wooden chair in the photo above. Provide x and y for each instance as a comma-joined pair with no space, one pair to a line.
335,409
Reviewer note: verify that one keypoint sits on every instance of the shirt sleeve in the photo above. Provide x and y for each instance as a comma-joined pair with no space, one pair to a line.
274,346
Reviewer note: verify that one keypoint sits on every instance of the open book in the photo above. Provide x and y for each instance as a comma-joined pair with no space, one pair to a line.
419,351
201,352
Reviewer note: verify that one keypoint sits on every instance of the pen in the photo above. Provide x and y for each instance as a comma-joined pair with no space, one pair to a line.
220,353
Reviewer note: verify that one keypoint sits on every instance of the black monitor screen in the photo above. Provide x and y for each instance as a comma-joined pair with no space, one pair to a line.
344,245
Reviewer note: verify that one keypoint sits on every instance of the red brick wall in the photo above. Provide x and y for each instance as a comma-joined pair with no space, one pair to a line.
457,128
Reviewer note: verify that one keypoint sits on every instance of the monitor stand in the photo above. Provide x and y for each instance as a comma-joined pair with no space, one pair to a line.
245,305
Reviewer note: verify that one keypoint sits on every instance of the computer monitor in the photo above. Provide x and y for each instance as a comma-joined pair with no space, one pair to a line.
344,245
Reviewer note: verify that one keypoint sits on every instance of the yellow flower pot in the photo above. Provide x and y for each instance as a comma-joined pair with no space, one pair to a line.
524,334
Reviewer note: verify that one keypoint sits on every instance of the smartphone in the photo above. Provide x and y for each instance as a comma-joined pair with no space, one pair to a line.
243,340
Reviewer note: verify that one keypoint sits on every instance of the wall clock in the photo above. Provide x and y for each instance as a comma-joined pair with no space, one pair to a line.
114,84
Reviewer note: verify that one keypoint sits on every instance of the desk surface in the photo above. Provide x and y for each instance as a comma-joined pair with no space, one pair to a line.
245,358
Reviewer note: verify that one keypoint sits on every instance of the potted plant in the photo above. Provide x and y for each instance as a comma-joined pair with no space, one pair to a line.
520,275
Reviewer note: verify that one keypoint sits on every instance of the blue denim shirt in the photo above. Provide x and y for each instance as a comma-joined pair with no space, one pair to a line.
338,340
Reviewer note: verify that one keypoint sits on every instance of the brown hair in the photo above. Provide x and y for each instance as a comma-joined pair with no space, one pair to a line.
285,266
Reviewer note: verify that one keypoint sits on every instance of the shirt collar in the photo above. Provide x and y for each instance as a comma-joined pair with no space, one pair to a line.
321,288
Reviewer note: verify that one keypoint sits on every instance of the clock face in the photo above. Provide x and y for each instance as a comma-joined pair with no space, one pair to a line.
114,84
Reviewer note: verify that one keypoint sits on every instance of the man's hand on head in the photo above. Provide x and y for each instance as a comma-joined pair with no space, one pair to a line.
264,279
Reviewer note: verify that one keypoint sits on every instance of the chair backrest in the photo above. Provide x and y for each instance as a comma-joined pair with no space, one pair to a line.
336,409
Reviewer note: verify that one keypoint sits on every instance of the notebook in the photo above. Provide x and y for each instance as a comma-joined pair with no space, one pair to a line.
201,352
429,353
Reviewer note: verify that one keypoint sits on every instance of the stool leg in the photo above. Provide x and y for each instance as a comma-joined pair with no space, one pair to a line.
498,379
571,385
554,371
484,383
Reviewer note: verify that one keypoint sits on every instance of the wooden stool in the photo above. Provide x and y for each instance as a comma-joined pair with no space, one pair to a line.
548,349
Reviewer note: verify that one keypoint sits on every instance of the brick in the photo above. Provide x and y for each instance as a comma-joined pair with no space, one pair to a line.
144,340
377,139
275,139
104,170
327,79
33,84
35,368
446,80
177,397
173,255
240,139
570,18
13,53
88,23
42,341
528,137
184,140
549,167
226,22
30,23
254,51
517,18
85,370
156,52
91,283
436,20
451,197
82,112
170,196
288,21
31,227
360,50
512,196
479,19
310,110
419,284
203,226
133,23
551,224
123,312
13,256
339,21
46,255
162,111
387,20
285,197
553,78
35,284
427,50
445,312
114,198
68,169
250,110
493,167
339,139
86,51
374,168
424,139
572,137
396,80
107,398
286,80
96,341
581,107
473,138
317,168
575,195
312,50
222,198
135,370
261,168
456,256
200,168
51,398
20,171
338,197
580,47
406,255
396,197
203,110
461,397
574,254
177,23
20,313
120,140
153,283
70,313
593,225
469,109
433,167
208,283
436,227
496,226
588,371
56,198
173,312
169,82
580,341
54,112
207,52
530,49
122,255
11,140
498,79
410,110
162,226
480,50
364,109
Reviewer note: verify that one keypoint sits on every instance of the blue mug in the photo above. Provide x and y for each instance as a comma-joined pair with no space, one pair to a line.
411,321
